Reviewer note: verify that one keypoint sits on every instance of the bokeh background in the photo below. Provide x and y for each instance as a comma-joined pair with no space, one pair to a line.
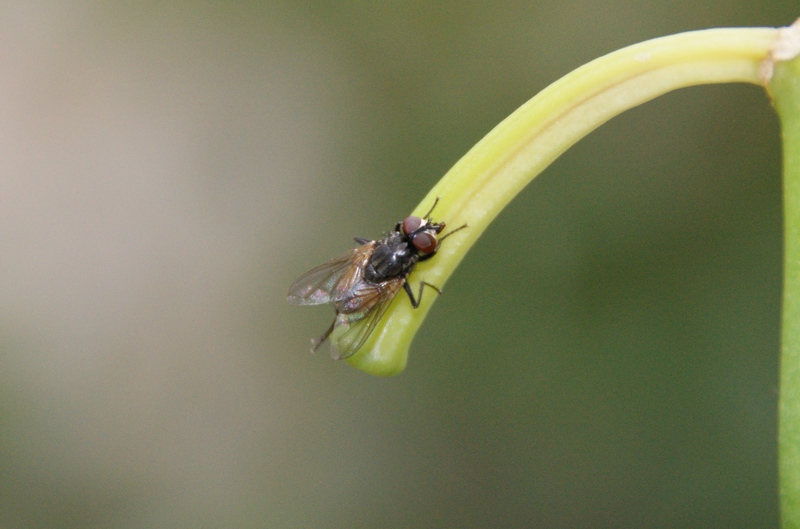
606,356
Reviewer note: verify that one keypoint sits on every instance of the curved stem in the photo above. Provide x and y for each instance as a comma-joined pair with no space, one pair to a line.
480,185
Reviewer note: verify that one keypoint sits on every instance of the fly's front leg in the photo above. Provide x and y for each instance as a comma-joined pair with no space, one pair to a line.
438,244
415,302
448,234
428,214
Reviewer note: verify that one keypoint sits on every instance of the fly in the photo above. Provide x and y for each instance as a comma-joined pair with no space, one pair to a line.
362,282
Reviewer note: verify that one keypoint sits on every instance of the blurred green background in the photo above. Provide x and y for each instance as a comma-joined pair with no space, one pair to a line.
606,356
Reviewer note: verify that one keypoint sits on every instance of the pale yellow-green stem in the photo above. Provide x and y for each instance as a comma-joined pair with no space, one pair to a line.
480,185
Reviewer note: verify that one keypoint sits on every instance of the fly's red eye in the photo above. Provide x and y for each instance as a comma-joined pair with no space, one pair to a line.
411,224
424,242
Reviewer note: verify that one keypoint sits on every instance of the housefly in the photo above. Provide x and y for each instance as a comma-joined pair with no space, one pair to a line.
362,282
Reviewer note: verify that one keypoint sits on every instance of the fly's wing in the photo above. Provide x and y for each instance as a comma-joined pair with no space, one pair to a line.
373,299
331,281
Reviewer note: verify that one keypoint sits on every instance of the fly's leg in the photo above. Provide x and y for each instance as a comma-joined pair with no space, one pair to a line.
446,235
428,214
449,233
316,342
415,302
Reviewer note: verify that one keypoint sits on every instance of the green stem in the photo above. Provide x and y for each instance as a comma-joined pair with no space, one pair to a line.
785,89
480,185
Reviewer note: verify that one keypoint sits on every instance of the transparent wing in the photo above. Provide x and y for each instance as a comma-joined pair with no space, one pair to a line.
373,299
331,281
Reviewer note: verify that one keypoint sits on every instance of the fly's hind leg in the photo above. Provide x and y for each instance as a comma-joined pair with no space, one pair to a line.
316,342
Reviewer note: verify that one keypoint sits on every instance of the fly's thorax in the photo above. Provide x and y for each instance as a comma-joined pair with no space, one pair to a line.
391,258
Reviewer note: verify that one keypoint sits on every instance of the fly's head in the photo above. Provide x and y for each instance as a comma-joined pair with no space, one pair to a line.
422,234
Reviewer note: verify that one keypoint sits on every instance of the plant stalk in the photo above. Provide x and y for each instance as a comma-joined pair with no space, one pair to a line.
785,89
